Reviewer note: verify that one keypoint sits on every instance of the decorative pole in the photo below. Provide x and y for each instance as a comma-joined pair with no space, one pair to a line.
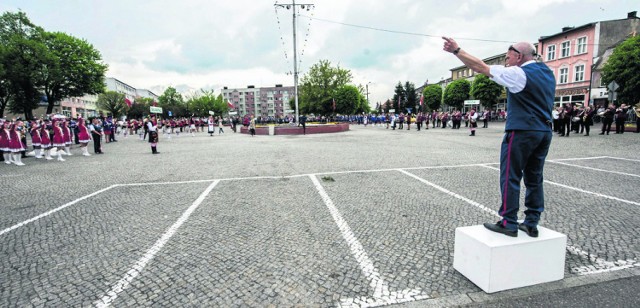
295,52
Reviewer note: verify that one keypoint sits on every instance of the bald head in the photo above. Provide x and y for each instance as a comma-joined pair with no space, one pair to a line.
527,50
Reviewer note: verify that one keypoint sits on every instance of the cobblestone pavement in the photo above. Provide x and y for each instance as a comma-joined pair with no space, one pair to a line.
362,218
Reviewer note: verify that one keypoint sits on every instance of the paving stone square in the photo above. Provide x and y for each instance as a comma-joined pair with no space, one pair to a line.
361,218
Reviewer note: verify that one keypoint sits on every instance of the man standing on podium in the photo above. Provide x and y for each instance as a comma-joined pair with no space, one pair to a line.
530,95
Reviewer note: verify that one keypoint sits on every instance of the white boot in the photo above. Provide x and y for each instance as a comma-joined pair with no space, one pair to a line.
85,151
7,158
16,160
38,153
68,151
47,155
19,160
60,156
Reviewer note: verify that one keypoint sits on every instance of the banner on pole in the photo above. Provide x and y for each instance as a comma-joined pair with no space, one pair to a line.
155,109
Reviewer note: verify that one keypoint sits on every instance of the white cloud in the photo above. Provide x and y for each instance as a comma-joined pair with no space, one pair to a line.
204,43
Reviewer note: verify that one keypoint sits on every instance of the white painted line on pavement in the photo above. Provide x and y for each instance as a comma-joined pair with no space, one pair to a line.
448,192
137,268
601,264
28,221
381,294
580,158
620,158
581,190
594,169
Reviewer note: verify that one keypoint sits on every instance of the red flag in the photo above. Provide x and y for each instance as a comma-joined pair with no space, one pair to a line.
155,104
230,104
421,99
128,102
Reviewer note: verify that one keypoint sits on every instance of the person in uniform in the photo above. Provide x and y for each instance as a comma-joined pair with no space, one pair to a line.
607,119
83,136
36,140
531,89
58,138
621,117
66,131
45,139
587,119
473,121
252,126
4,142
152,128
636,108
96,134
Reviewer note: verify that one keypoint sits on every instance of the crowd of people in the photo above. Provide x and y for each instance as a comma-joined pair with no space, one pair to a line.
579,119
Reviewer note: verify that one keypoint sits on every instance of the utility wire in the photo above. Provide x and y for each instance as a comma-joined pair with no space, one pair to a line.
401,32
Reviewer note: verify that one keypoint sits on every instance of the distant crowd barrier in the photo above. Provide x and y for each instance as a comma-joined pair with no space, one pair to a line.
287,129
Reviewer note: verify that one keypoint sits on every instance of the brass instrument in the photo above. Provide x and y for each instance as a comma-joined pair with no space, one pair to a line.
637,109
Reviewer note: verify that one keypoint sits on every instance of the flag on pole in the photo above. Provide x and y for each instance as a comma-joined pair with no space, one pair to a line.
334,105
230,104
421,99
128,102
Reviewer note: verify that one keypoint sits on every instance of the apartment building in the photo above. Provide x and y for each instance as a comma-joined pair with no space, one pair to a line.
574,54
264,102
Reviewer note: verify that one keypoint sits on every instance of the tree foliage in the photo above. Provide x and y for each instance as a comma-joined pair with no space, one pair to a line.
399,98
623,67
171,100
411,100
456,93
206,101
432,96
21,57
112,102
72,67
43,66
319,87
486,90
139,108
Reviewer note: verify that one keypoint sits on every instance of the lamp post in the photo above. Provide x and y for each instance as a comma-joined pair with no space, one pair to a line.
293,6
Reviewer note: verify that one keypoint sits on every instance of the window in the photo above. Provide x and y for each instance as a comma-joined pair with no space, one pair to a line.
581,45
566,49
579,73
551,52
564,72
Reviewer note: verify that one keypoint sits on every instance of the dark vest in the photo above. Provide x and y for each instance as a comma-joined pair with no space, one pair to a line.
530,109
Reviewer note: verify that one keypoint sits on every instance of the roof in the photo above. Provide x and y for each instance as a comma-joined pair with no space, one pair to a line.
483,60
591,24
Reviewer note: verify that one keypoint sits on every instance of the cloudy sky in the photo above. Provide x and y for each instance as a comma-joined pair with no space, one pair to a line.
214,43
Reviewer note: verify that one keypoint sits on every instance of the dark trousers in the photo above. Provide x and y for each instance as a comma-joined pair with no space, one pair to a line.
638,125
587,128
556,125
606,125
522,155
619,126
419,125
565,128
485,123
96,143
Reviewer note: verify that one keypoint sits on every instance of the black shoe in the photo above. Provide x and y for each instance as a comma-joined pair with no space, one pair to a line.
156,152
497,227
602,133
530,231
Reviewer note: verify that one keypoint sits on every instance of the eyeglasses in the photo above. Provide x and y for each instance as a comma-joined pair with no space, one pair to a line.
511,48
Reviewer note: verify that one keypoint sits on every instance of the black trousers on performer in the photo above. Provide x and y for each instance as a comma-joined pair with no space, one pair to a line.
96,143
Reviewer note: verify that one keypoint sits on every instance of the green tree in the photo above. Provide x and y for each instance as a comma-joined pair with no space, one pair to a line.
71,67
319,86
486,90
411,97
623,67
399,98
139,108
172,101
206,101
432,96
112,102
456,93
347,100
21,57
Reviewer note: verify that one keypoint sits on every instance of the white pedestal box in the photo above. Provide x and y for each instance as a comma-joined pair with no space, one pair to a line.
496,262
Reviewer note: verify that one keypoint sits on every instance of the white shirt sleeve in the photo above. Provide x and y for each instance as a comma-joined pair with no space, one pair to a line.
512,77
